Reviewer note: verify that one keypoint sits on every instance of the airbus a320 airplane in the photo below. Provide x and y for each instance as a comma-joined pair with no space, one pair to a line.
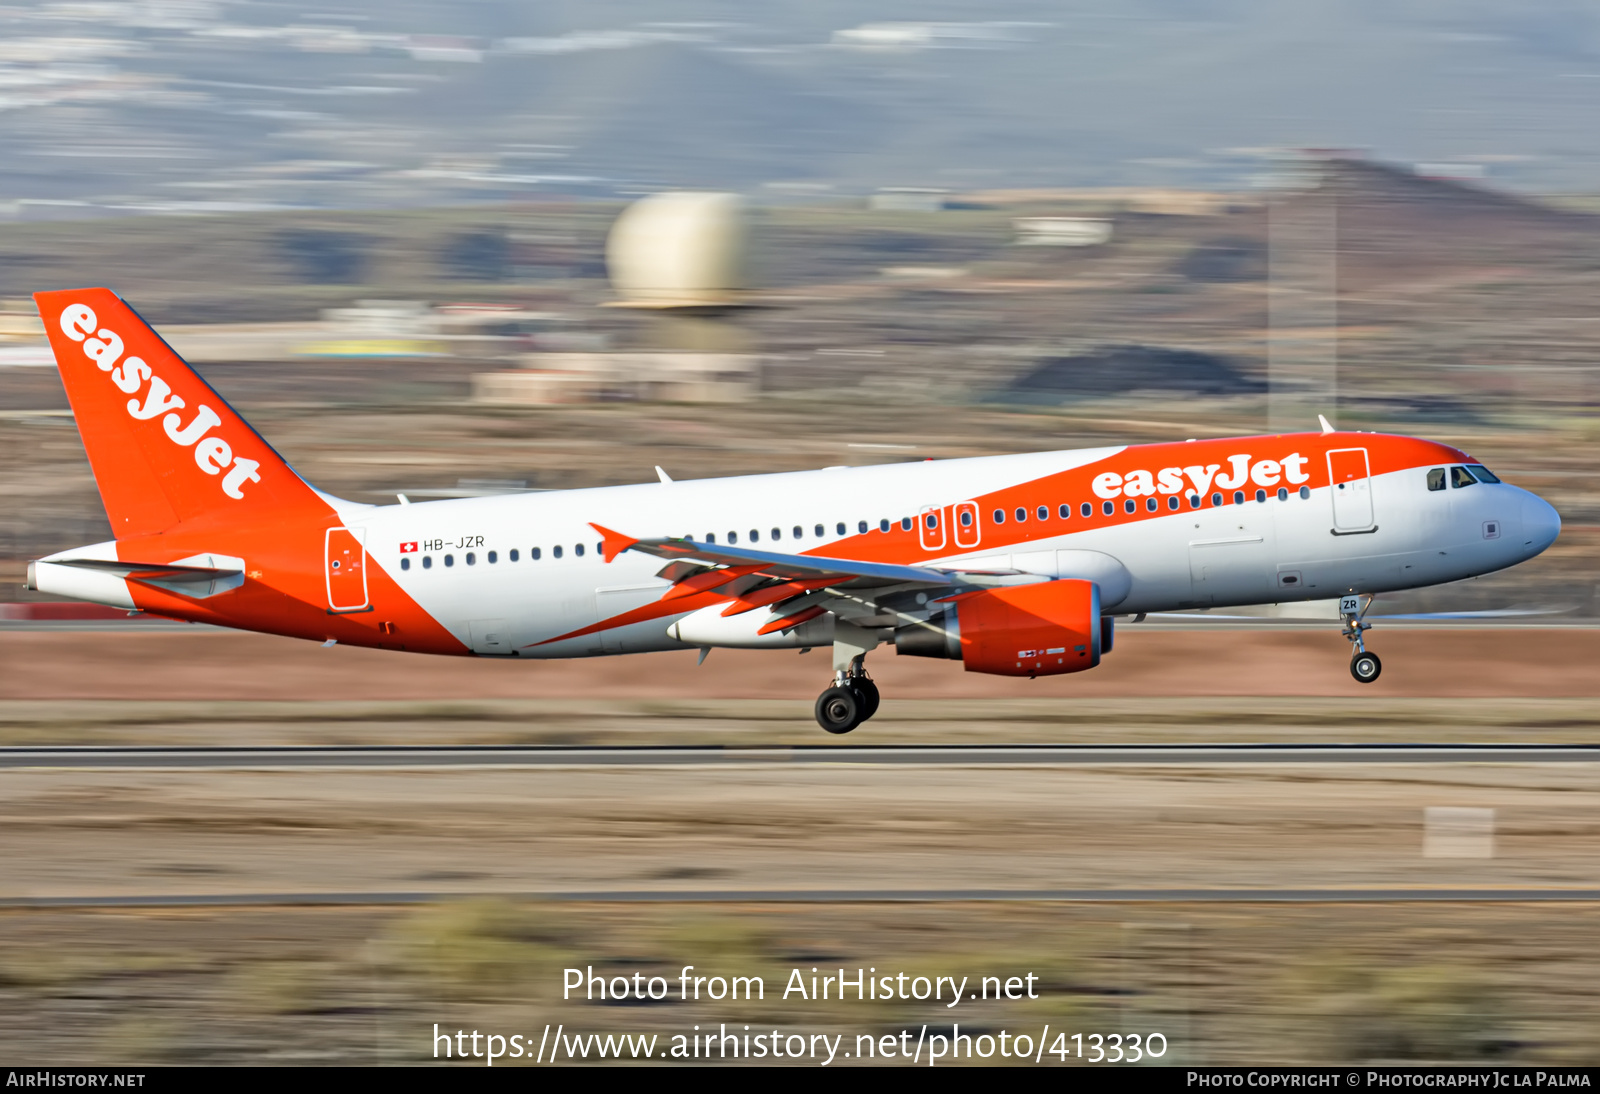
1012,565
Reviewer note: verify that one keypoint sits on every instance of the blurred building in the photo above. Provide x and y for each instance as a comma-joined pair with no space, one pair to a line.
1062,231
22,339
684,258
664,377
909,199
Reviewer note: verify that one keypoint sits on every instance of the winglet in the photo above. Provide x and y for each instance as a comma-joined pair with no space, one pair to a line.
612,543
1326,428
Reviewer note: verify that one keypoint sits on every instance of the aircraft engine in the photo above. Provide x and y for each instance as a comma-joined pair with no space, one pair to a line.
1021,630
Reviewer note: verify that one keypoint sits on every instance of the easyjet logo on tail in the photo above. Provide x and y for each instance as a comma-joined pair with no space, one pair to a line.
213,455
1169,480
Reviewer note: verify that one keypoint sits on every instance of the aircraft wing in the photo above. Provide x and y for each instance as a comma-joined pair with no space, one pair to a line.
771,564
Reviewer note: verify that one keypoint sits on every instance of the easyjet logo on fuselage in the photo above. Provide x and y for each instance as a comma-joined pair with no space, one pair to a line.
213,455
1170,480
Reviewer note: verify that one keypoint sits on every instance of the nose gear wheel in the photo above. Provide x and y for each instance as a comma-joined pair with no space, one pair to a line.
1364,665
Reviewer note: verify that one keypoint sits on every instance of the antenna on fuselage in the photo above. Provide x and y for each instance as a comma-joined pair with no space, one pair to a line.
1326,428
662,475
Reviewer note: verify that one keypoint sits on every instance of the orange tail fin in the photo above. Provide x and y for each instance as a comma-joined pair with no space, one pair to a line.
165,448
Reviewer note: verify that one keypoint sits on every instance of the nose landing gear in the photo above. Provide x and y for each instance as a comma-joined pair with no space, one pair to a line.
851,700
1364,665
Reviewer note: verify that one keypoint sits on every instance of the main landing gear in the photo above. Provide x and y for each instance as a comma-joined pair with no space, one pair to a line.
851,700
1364,665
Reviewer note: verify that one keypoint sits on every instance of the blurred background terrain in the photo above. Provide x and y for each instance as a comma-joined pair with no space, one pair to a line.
396,238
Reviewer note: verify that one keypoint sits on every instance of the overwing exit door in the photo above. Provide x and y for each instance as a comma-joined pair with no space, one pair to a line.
346,568
1351,487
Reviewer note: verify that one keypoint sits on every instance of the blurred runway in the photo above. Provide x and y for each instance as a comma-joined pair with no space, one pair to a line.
833,896
183,662
425,756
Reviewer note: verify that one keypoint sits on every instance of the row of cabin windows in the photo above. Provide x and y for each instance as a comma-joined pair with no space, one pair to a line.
1129,505
818,530
906,523
491,557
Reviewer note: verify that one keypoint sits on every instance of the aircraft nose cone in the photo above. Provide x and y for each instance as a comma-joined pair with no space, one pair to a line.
1541,524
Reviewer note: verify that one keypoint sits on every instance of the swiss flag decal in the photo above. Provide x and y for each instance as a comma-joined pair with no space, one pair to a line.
408,548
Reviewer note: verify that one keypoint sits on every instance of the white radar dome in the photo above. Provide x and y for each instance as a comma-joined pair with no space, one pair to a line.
679,250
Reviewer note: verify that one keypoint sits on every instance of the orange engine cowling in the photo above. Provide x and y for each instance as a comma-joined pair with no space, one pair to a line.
1019,630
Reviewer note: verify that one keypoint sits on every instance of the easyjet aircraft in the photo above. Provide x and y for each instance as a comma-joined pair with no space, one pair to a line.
1013,565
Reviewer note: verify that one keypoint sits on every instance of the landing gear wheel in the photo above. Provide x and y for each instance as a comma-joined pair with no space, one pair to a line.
839,709
869,696
1365,667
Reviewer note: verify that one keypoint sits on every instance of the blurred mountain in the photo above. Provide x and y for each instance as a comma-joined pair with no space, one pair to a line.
196,104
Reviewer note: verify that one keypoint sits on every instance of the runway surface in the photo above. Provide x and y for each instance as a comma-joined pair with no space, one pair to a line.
414,756
831,896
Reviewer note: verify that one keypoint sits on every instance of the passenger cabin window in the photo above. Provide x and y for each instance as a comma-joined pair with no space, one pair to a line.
555,552
1021,514
1108,507
861,527
1043,512
1086,510
405,564
1129,505
534,553
1436,479
966,518
905,524
1460,476
999,516
578,550
822,531
883,525
1065,511
514,555
1216,499
838,529
427,562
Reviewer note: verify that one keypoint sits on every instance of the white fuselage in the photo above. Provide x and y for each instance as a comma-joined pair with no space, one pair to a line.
474,567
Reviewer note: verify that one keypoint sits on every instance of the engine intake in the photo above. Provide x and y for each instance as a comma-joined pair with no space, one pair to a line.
1045,629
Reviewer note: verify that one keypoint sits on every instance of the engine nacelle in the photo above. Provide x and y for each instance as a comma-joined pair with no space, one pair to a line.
1019,630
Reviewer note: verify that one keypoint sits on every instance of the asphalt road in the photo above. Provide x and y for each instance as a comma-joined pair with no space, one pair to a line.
413,756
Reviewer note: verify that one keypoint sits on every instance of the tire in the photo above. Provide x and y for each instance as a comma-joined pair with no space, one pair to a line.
839,710
1365,667
869,696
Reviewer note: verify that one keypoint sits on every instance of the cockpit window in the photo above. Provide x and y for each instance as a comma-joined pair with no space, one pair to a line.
1460,476
1482,473
1436,479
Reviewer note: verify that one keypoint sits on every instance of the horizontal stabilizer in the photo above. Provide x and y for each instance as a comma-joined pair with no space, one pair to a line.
164,572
